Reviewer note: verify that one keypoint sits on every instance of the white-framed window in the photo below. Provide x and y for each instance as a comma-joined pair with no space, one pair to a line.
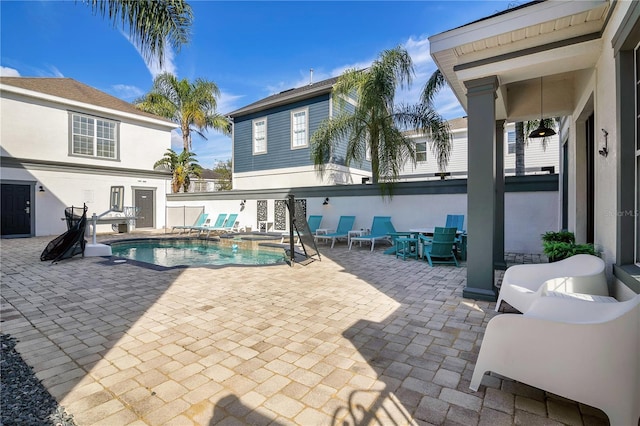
299,128
421,151
94,137
260,136
511,142
200,185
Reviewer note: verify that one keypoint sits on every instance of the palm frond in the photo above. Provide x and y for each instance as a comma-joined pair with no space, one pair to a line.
150,22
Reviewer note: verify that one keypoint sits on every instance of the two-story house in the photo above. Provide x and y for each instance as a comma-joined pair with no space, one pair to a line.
271,141
539,158
271,145
66,144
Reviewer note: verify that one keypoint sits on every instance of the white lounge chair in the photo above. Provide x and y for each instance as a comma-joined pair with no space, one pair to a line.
581,350
522,284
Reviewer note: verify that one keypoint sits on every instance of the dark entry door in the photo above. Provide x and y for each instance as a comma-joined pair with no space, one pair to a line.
143,199
16,210
591,148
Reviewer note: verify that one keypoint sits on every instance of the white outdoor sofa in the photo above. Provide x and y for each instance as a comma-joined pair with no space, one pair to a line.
581,350
522,284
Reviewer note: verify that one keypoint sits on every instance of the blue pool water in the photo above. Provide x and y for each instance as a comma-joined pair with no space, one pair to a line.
191,252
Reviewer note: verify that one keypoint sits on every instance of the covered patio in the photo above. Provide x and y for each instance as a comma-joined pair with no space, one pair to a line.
357,338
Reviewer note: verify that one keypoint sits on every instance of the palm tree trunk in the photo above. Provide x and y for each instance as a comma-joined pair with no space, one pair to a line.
519,148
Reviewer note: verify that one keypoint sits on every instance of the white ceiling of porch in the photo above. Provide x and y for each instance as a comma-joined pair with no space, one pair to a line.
551,38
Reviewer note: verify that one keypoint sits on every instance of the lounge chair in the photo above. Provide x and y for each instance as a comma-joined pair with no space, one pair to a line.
217,224
345,224
200,221
581,350
314,223
522,284
379,231
229,225
439,248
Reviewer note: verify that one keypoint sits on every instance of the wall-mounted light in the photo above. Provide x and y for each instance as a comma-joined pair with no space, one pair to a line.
605,150
40,188
326,201
242,203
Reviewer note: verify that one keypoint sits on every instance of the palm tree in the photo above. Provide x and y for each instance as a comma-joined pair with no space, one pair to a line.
151,22
191,105
377,127
182,166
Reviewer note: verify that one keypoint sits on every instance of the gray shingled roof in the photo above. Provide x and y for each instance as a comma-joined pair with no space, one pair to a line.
71,89
287,96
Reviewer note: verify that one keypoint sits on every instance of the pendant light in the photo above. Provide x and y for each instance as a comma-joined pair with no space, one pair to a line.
541,131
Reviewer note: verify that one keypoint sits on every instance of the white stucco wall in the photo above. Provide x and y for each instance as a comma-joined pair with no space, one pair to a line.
528,215
63,190
39,130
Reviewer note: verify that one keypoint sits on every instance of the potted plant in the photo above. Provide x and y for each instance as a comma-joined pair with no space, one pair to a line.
562,244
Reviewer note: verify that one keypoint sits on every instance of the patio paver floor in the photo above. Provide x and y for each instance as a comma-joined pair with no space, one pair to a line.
358,338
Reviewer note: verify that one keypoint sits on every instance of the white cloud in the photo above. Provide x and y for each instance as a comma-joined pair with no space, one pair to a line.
127,92
176,141
55,71
154,67
228,102
153,64
8,72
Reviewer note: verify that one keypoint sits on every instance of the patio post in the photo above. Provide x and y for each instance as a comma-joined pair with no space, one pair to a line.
498,242
481,188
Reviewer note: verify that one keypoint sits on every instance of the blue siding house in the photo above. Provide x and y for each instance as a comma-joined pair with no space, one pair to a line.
271,141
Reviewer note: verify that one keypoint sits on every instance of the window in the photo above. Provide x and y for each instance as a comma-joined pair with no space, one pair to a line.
94,137
200,185
421,151
299,129
511,142
260,136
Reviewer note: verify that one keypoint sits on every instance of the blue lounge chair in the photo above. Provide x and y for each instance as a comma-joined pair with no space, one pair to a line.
379,231
440,248
217,224
314,223
345,224
229,224
200,221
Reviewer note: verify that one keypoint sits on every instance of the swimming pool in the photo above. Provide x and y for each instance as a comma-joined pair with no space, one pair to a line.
193,252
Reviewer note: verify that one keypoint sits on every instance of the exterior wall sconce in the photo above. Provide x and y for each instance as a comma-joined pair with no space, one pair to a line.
605,150
242,203
326,201
40,188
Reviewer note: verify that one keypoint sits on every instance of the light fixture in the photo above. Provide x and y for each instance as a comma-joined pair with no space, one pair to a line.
605,150
326,201
541,131
40,188
242,203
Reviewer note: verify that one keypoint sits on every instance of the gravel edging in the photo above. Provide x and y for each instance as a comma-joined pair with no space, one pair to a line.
23,398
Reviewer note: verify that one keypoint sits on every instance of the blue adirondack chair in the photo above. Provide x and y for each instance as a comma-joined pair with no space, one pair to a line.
345,224
440,248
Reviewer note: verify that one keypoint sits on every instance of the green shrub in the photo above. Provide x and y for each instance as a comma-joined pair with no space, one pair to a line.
561,245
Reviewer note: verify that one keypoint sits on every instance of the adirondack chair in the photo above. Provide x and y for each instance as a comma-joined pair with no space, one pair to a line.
439,248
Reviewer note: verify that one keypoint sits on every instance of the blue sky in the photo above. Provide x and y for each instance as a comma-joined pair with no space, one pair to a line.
249,49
